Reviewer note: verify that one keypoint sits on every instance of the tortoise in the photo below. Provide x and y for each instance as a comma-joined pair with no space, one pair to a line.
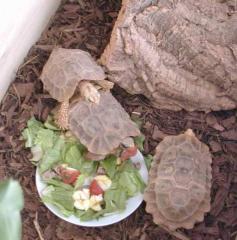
72,72
101,127
178,191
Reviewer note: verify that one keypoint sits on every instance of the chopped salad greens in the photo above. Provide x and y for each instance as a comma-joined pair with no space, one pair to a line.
88,189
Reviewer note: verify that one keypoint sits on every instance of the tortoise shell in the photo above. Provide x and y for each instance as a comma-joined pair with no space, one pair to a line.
101,127
65,68
178,191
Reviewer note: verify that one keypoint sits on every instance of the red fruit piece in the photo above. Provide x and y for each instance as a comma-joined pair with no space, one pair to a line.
69,175
128,152
95,188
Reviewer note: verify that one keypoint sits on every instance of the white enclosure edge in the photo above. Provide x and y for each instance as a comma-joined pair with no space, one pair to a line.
21,23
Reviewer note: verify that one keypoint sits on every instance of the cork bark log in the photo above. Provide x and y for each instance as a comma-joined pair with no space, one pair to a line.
179,54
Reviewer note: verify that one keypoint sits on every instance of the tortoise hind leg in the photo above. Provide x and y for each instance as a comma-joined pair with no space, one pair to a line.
61,117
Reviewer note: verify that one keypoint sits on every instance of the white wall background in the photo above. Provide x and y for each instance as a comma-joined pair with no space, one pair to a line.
21,23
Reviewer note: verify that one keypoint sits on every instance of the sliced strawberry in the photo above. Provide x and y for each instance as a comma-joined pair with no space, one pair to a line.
95,188
69,175
128,152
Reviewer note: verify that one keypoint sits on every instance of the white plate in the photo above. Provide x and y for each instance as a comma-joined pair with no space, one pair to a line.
132,203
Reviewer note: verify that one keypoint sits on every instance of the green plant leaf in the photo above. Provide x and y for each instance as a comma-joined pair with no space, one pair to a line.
52,156
109,164
80,181
88,215
115,200
88,167
148,160
128,182
29,134
37,153
139,142
60,197
130,179
45,138
73,157
11,203
58,183
50,124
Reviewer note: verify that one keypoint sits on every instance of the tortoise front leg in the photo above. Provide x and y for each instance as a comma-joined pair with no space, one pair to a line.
89,92
61,118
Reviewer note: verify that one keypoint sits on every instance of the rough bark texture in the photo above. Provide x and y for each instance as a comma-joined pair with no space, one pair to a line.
179,54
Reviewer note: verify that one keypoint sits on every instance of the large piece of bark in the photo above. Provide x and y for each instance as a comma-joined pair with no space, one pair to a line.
179,54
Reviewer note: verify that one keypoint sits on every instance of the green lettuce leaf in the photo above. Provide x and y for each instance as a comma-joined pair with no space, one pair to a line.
52,156
66,147
130,179
61,198
148,160
115,199
71,140
139,142
59,183
128,183
88,167
109,164
37,153
88,215
50,124
80,181
126,166
30,133
73,156
78,213
45,139
81,147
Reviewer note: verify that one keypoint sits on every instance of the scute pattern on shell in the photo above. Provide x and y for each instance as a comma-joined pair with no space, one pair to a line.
101,127
178,191
65,68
